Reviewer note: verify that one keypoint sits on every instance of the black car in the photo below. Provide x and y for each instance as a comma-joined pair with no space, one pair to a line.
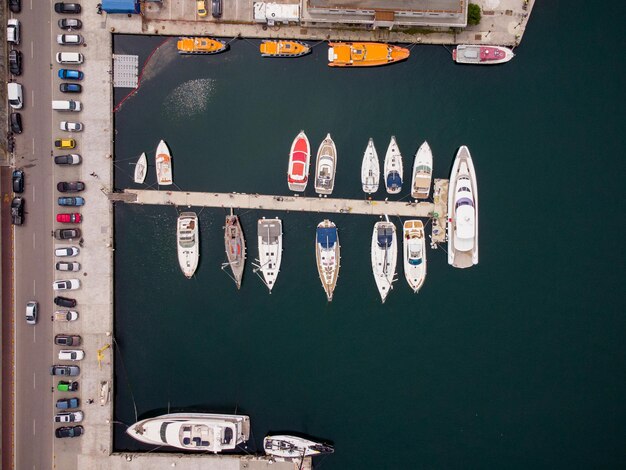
62,7
70,88
64,302
16,123
68,431
71,159
67,340
66,233
15,62
216,8
17,211
70,187
18,181
15,6
70,23
70,371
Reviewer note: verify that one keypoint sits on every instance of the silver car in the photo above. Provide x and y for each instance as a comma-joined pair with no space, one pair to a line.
69,39
64,266
69,417
32,309
67,284
67,251
71,126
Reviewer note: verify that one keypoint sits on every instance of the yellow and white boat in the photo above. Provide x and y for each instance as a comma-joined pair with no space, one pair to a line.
200,45
364,54
280,48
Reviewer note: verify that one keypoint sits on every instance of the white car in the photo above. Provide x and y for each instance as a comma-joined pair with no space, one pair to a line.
71,355
69,417
31,312
67,251
65,315
65,266
69,39
68,284
71,126
13,31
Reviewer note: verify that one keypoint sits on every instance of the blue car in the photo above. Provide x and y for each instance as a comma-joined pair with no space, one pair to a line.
71,201
69,74
66,403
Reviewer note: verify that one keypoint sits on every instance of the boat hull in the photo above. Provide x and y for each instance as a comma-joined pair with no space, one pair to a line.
283,49
270,244
422,172
188,248
235,245
293,447
364,54
326,166
163,161
414,251
481,55
393,168
299,162
327,255
384,258
370,169
141,169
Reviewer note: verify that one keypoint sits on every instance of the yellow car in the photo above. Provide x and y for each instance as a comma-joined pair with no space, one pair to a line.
65,143
201,6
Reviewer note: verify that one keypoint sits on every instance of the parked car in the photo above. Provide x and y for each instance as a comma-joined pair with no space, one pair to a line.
67,371
64,302
61,7
65,386
69,431
216,8
15,6
71,218
16,123
15,95
71,126
17,211
70,23
18,181
13,31
70,74
69,39
66,251
66,233
15,62
65,315
71,201
66,284
32,312
65,143
70,88
70,187
67,340
65,266
71,355
69,416
67,403
201,8
70,159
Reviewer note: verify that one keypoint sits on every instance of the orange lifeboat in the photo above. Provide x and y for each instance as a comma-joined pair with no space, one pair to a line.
270,48
200,46
364,54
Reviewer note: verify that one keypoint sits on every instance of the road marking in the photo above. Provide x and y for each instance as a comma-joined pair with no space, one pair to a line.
31,4
34,282
33,198
33,146
34,381
32,94
32,50
34,427
34,335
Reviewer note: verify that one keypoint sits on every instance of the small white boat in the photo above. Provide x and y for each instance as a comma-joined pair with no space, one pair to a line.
163,164
393,168
235,244
422,172
205,432
105,392
370,169
270,242
327,256
293,447
414,253
299,162
384,256
326,166
463,212
481,55
187,243
141,169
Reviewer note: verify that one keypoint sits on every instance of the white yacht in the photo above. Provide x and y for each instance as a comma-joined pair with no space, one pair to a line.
270,236
205,432
384,256
422,172
463,212
393,168
414,253
327,256
326,166
235,245
140,169
370,169
187,243
294,447
163,160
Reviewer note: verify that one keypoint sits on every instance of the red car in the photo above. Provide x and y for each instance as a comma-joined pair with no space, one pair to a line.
73,218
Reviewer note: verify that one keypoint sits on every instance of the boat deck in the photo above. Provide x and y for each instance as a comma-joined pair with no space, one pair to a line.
440,212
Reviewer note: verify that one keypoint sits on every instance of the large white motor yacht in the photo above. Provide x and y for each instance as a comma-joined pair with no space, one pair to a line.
187,243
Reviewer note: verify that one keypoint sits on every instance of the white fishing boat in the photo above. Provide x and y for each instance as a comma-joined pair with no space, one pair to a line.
270,240
205,432
422,172
414,253
163,161
326,166
481,55
384,256
370,169
187,243
299,162
463,212
141,168
393,168
294,447
235,245
327,256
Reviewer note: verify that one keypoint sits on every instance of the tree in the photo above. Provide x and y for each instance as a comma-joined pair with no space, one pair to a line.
473,14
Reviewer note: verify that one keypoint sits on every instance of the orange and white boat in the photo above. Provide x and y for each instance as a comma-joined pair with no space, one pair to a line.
364,54
299,161
272,48
200,45
163,164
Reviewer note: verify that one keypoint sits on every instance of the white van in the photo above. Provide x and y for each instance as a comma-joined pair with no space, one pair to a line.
15,95
70,58
66,105
13,31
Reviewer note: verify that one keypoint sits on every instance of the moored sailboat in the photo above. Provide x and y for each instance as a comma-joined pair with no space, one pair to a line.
370,169
141,169
299,161
163,161
326,166
187,244
235,245
422,172
283,48
294,447
414,253
327,256
270,243
364,54
393,168
384,252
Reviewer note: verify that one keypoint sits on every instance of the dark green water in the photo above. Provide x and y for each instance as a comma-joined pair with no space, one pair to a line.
518,362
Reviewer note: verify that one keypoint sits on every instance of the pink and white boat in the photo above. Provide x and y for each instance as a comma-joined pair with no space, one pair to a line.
299,161
481,55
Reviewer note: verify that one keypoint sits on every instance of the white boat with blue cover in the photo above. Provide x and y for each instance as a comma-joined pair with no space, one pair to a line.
384,253
327,256
393,168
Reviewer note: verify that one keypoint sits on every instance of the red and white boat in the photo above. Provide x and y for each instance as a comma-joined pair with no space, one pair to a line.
299,161
481,55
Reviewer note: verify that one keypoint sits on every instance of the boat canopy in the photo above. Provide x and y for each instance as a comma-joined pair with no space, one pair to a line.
394,180
327,236
385,236
121,6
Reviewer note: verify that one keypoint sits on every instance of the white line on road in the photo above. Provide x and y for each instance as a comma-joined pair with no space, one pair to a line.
34,244
33,201
34,335
34,282
34,427
32,50
33,146
34,381
31,4
32,94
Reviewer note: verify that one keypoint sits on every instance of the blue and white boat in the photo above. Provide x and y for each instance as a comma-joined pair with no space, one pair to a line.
384,253
327,255
393,168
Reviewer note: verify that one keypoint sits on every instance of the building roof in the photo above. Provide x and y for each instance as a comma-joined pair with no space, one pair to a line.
395,5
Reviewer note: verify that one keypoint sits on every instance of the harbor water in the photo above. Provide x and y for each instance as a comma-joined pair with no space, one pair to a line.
517,362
